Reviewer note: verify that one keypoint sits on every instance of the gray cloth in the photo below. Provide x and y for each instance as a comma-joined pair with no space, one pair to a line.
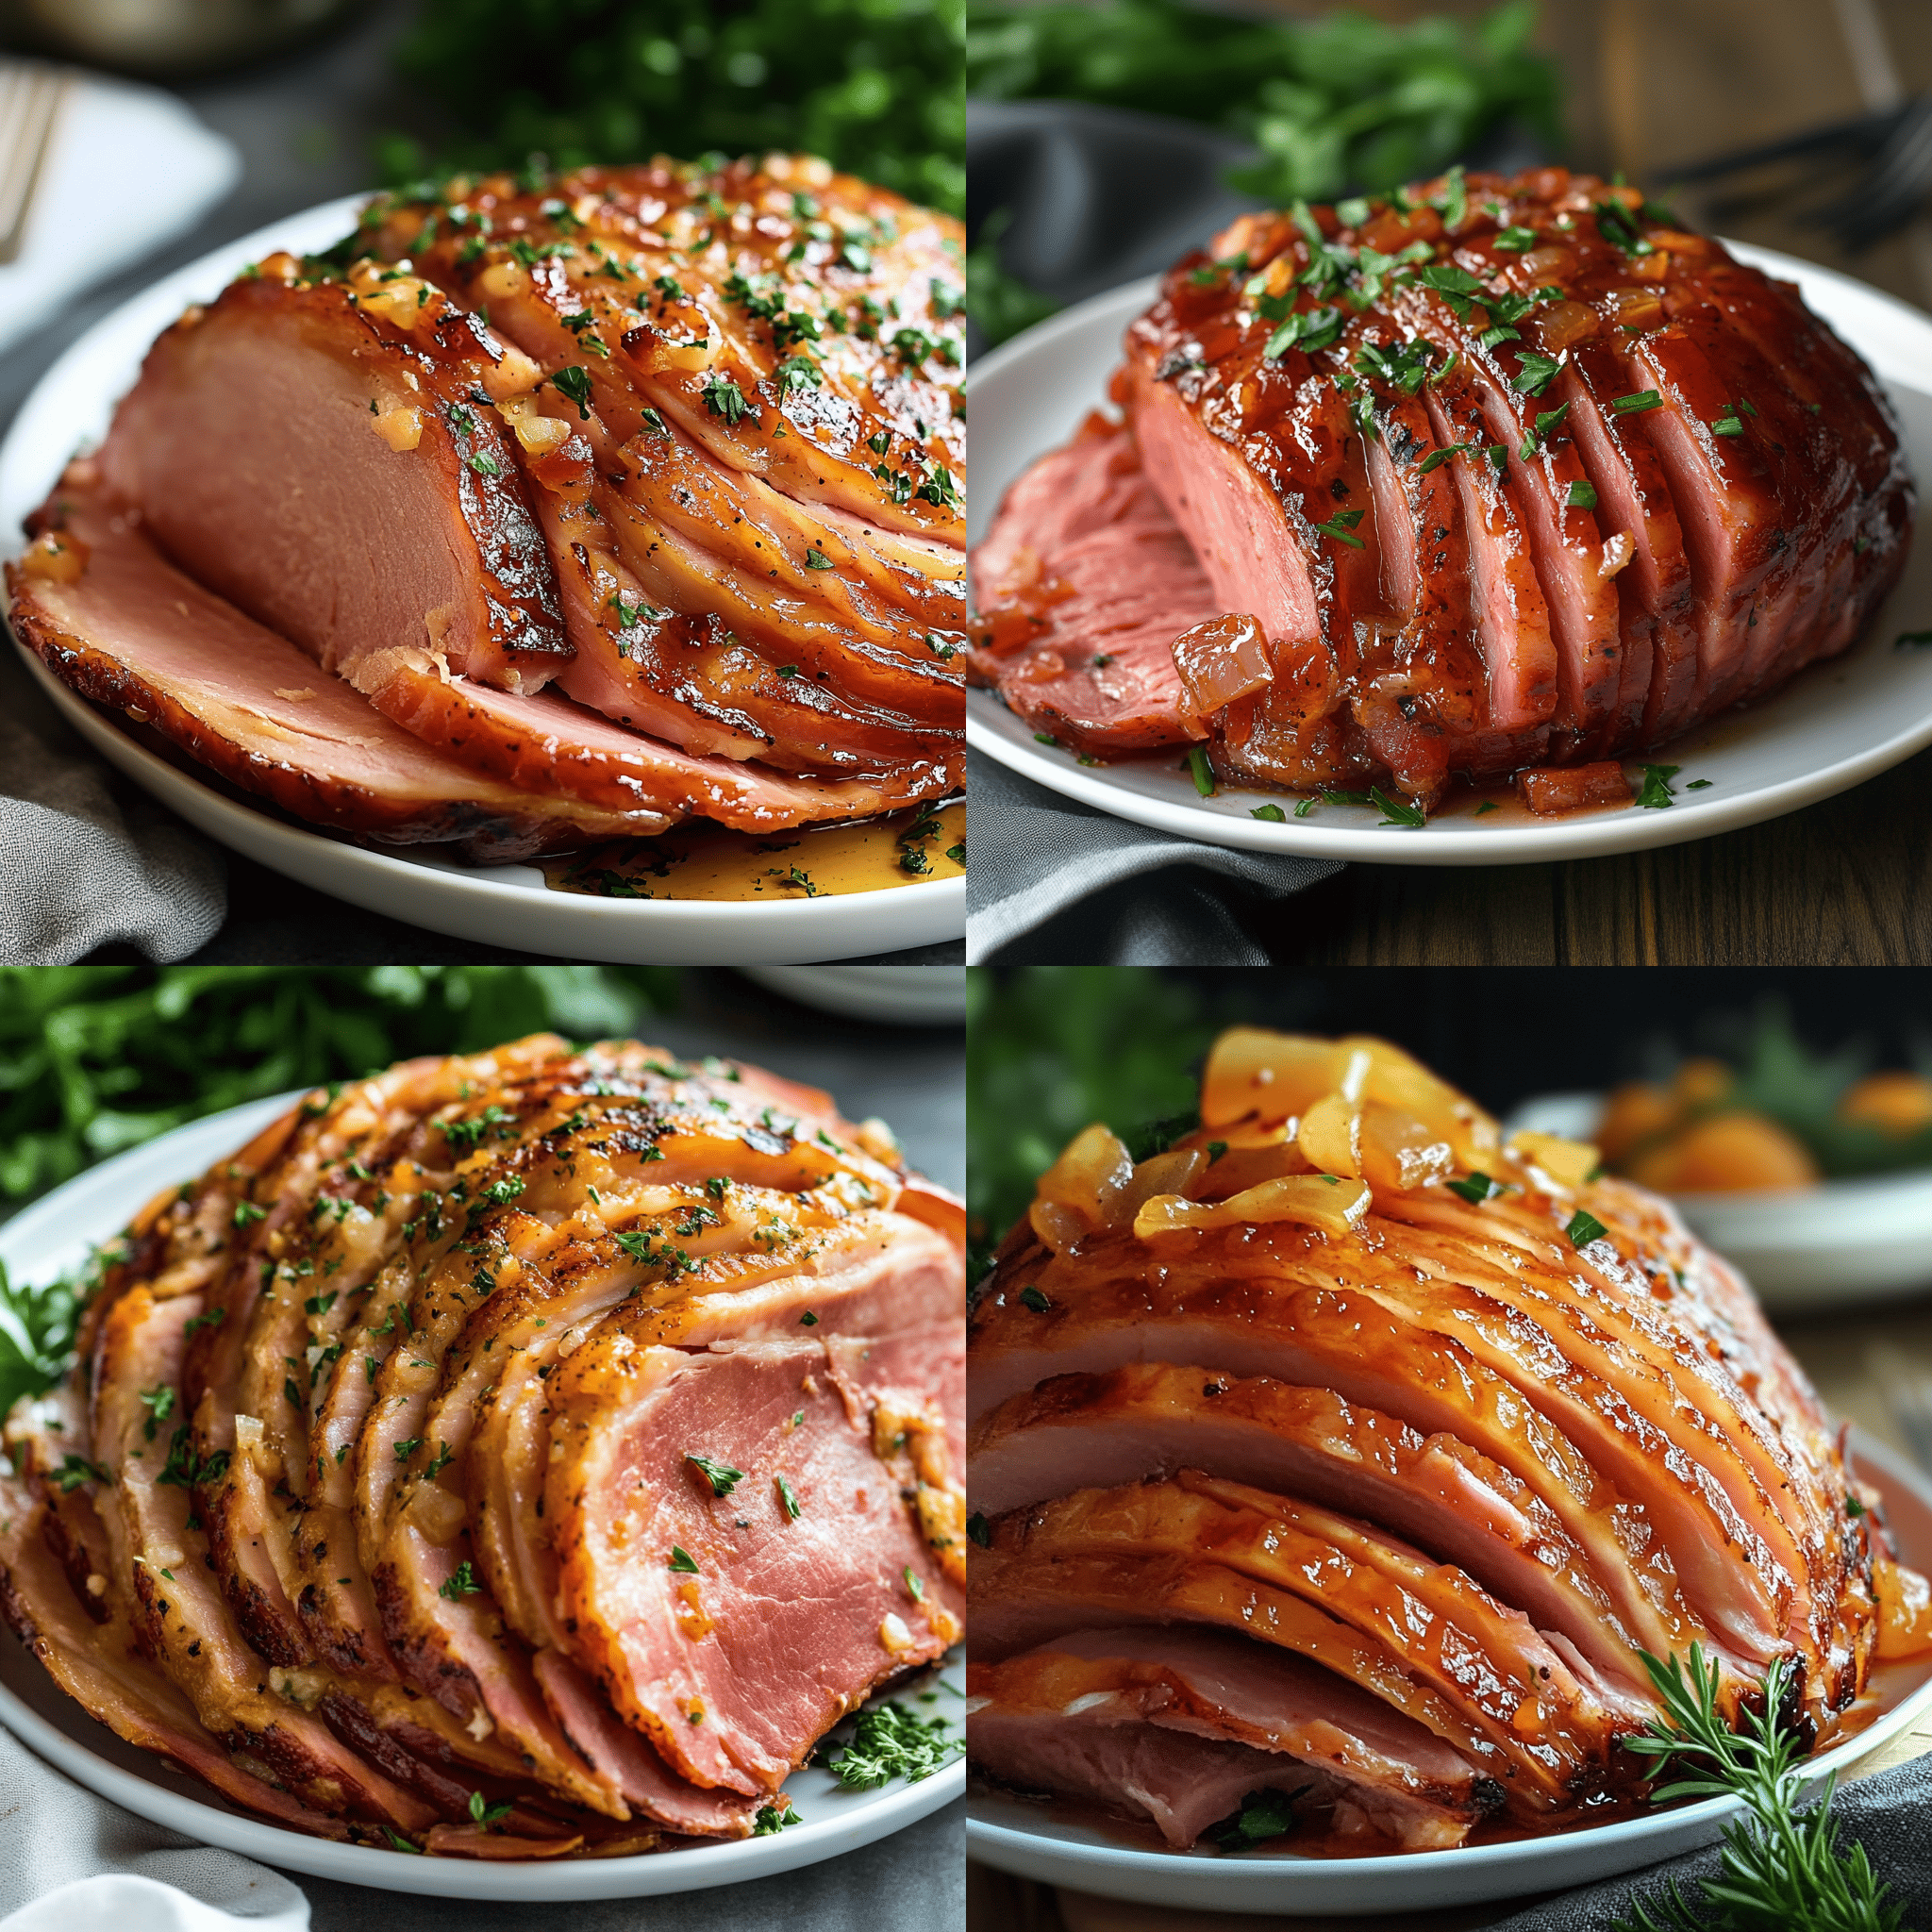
1056,882
54,1831
87,858
1886,1814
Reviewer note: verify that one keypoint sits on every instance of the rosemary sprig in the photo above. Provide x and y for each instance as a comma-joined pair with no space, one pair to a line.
1779,1870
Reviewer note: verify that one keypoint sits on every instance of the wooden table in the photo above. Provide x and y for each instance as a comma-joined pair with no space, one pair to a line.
1849,1359
1656,83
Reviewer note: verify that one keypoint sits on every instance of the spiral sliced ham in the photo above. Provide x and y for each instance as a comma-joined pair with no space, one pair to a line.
522,1454
1510,472
632,543
1343,1384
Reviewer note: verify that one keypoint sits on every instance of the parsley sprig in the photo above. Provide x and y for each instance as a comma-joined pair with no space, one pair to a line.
1779,1868
891,1742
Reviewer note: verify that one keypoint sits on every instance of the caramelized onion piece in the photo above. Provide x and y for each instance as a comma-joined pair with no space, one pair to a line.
1331,1136
1221,660
1269,1075
1077,1193
1399,1153
1315,1200
1569,1163
1905,1610
1165,1174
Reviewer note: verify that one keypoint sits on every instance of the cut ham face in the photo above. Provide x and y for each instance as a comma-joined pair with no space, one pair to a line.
1340,1386
639,547
405,1433
1541,486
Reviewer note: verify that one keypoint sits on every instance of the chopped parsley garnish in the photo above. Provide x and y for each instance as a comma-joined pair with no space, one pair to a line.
915,1584
444,1455
1474,1187
774,1817
798,372
979,1531
1436,458
246,1211
1637,403
816,558
1546,421
1397,811
463,1135
723,397
1201,770
1036,1300
1655,792
891,1742
682,1561
940,489
1581,496
654,423
76,1469
487,1813
1404,366
407,1447
1515,239
160,1403
1584,1228
1533,373
1263,1815
1308,329
1853,1507
1339,526
721,1477
1614,224
788,1497
1273,813
461,1583
573,384
1699,785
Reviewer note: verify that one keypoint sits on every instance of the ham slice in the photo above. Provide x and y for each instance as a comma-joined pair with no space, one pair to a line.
132,632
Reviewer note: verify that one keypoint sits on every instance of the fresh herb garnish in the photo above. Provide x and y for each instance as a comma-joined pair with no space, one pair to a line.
1614,224
1581,496
1474,1187
1397,811
891,1742
1516,240
1534,372
1202,772
682,1561
1437,457
721,1477
1036,1300
1339,526
775,1815
1655,791
788,1497
1584,1228
1308,329
1273,813
1263,1815
461,1583
1546,421
1637,403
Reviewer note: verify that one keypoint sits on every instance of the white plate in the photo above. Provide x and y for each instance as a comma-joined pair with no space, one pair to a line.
1021,1837
893,995
1864,1240
1833,727
52,1237
503,906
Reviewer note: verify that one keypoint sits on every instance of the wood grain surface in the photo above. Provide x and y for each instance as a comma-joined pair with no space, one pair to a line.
1852,1359
1656,84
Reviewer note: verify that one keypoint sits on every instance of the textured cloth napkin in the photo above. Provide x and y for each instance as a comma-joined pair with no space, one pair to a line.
1055,882
1886,1814
87,858
72,1863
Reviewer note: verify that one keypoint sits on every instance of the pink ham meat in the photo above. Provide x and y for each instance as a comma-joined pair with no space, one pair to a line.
130,631
1183,1724
1122,575
1446,1421
1530,479
339,1509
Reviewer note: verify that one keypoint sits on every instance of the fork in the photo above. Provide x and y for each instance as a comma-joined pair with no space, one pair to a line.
31,97
1888,192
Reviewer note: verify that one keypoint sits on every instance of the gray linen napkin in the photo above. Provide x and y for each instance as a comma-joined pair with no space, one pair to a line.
1054,881
86,859
52,1831
1886,1814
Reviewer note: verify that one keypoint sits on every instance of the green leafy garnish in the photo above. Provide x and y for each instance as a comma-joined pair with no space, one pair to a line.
891,1742
1201,770
1636,404
1341,525
1273,813
1584,1228
461,1584
1035,1300
1655,792
722,1477
1534,372
486,1814
1780,1867
682,1561
1263,1815
1397,811
1581,496
1436,457
1474,1187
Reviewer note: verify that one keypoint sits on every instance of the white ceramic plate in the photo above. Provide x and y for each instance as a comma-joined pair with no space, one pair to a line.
503,906
1021,1837
896,995
1865,1240
1832,728
52,1237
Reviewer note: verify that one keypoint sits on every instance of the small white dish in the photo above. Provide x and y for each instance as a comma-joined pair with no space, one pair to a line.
895,995
54,1237
1832,728
502,906
1024,1839
1863,1240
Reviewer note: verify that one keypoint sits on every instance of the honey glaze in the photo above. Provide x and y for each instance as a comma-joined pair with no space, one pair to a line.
700,861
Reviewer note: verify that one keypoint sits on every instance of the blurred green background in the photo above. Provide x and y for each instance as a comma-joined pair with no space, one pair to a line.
872,85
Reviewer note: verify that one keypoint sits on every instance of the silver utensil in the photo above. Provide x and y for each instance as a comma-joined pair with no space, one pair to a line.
30,96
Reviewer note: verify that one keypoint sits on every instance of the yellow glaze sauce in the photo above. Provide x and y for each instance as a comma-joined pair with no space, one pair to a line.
700,861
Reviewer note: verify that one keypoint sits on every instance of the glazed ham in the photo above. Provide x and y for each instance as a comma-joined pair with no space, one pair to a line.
1509,475
1344,1387
581,1430
677,531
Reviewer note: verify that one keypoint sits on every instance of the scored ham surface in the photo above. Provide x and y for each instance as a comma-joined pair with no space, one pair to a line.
578,1429
640,489
1346,1431
1509,473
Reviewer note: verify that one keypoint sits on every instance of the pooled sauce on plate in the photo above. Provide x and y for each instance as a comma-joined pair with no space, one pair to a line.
700,861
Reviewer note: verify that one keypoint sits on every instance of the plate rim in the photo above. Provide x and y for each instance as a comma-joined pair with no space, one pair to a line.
51,1224
923,913
991,730
1465,1875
